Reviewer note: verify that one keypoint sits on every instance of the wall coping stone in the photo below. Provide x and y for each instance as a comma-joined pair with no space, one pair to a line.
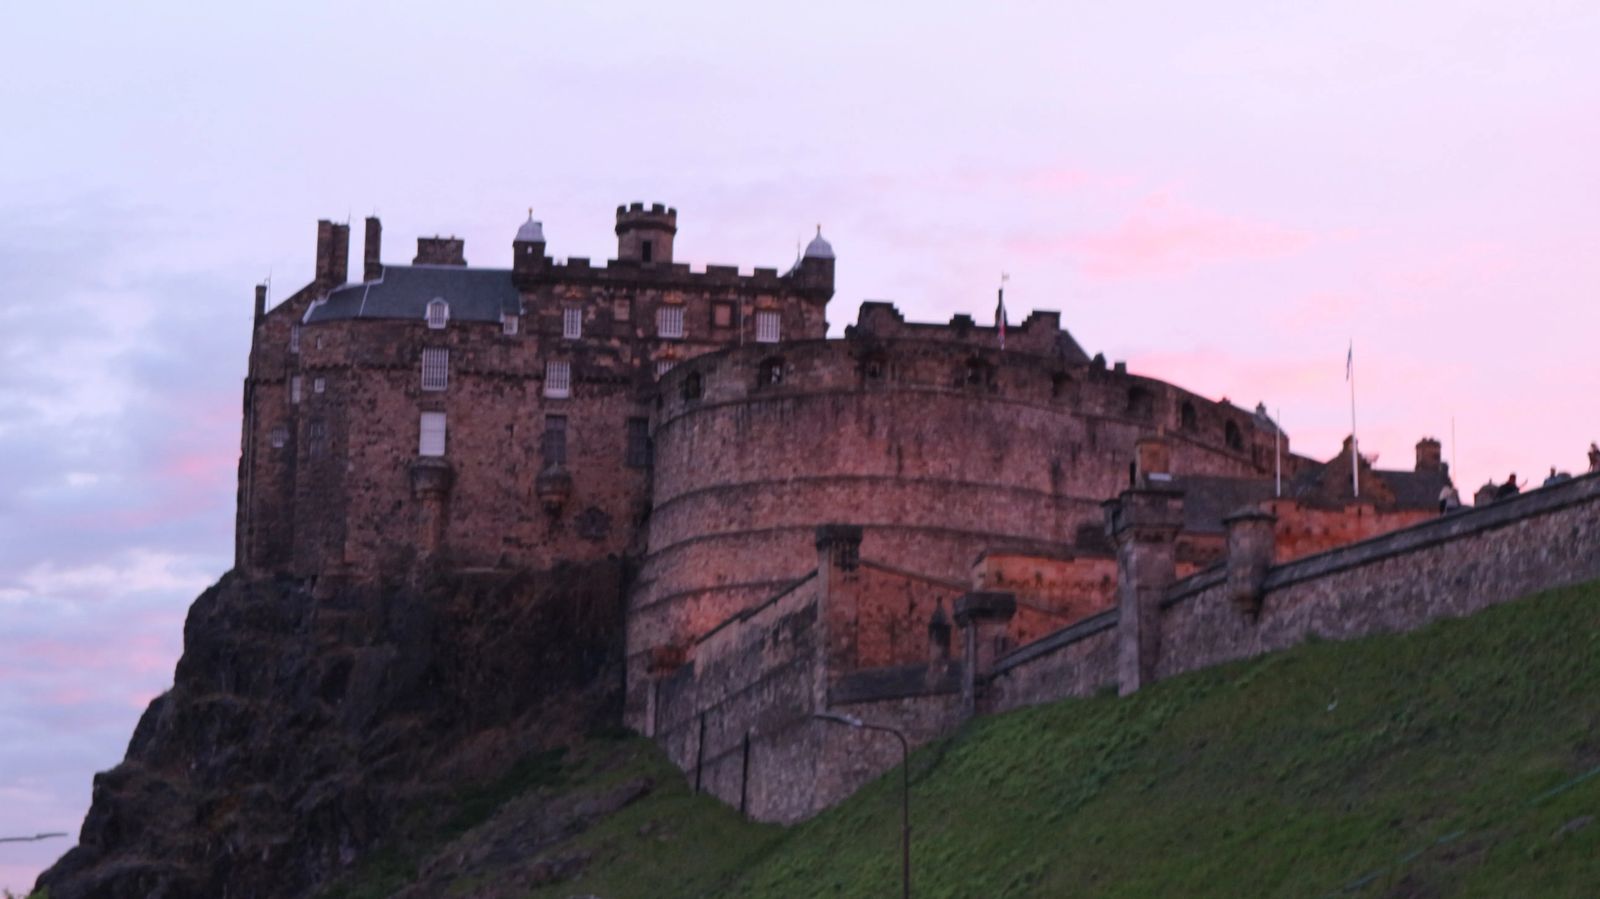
1057,640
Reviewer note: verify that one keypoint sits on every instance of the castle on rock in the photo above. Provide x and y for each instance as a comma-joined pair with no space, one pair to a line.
893,522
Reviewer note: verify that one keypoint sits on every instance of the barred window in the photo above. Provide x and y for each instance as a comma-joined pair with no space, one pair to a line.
766,327
294,338
279,436
431,442
435,368
571,323
438,313
557,379
669,321
509,323
638,442
663,366
319,385
294,389
553,446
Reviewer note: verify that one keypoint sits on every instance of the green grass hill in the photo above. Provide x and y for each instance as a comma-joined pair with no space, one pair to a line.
1459,760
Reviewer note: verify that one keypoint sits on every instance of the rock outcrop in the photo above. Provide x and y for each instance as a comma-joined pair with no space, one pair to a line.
304,720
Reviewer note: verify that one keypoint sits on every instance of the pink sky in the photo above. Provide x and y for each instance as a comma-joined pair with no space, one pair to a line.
1224,195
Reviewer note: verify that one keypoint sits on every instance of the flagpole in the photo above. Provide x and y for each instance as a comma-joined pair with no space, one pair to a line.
1355,447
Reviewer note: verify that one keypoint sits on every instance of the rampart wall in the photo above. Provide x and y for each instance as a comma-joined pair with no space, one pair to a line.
938,449
1445,567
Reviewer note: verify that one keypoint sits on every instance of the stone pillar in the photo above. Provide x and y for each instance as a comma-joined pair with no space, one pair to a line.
1252,543
1144,524
431,479
982,617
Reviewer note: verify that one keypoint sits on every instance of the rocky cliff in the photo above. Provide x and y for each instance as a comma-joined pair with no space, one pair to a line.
305,722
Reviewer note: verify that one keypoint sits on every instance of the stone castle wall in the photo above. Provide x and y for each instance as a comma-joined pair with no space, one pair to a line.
939,449
1445,567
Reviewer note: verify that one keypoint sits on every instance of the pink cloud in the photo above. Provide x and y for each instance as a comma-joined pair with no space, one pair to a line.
1164,236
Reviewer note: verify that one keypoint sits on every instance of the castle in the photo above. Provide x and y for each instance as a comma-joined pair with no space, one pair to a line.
911,522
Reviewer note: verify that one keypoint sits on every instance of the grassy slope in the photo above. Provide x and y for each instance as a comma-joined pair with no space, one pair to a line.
1291,775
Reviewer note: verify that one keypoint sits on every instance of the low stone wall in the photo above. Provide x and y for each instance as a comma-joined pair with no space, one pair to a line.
1447,567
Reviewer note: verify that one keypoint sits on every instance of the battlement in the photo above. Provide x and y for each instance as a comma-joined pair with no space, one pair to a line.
1040,333
645,235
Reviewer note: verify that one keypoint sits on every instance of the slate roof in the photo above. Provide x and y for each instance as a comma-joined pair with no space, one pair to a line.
403,292
1207,499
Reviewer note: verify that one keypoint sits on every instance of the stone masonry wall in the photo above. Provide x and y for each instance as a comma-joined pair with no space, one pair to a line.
1447,567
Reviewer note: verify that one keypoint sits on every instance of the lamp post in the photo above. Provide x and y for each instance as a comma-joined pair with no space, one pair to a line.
905,788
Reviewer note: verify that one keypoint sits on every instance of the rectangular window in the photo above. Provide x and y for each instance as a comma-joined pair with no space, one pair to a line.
663,366
294,338
435,368
638,442
553,446
432,440
279,436
622,310
557,379
319,385
508,324
721,315
669,321
767,327
647,251
571,323
294,389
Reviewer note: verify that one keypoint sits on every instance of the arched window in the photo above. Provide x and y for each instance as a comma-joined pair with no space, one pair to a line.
692,386
438,313
1141,403
771,372
1188,416
1233,436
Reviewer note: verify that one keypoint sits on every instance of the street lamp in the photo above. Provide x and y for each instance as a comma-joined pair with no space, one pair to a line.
905,788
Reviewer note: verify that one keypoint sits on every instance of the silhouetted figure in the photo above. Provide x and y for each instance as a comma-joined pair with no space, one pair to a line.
1556,477
1594,457
1509,488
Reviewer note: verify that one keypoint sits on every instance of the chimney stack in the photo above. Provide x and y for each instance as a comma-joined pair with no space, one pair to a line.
333,253
440,251
372,269
261,302
1430,456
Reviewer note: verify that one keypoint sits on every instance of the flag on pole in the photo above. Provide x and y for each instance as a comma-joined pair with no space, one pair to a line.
1000,310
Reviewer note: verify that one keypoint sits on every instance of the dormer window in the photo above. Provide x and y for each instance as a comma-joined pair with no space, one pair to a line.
438,313
571,323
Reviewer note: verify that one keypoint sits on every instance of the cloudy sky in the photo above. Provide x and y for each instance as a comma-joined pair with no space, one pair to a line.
1223,194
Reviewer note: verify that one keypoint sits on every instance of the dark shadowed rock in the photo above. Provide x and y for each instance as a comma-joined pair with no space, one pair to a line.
302,720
